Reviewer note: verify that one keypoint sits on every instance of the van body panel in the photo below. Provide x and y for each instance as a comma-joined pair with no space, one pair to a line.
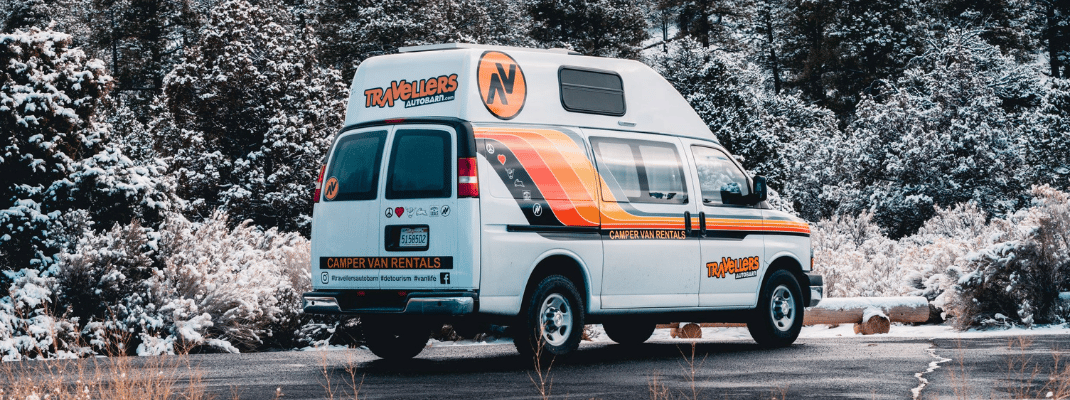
649,259
539,182
733,245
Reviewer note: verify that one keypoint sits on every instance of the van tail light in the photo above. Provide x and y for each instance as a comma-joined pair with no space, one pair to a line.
467,178
319,185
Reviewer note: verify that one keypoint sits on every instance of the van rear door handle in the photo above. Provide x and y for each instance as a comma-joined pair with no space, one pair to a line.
702,223
687,223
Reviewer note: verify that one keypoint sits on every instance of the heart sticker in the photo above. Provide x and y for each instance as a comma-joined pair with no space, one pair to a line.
399,210
501,158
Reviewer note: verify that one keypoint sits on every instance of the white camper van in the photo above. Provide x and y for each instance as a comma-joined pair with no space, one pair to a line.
543,190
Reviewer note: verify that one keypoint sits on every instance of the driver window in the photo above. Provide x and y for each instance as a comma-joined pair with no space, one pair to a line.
717,173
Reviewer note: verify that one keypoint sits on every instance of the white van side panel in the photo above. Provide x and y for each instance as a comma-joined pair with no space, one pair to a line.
510,257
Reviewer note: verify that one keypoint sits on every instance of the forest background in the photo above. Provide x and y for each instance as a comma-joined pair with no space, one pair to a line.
159,156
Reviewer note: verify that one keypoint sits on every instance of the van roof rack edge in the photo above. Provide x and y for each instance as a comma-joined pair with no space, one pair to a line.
454,46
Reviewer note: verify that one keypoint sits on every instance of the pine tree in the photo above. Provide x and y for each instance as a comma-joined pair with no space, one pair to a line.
56,156
249,117
608,28
939,137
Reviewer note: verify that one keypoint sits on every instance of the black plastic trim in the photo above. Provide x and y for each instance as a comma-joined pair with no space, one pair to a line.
551,228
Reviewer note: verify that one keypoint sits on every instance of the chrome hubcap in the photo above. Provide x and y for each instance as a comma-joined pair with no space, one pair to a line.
782,306
555,317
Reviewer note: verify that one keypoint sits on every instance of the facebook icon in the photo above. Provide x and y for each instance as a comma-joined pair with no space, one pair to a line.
444,278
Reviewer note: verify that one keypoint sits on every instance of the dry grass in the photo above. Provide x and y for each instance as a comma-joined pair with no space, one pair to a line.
349,388
543,381
109,378
1022,372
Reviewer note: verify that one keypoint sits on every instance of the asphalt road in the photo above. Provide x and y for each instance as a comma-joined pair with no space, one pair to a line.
852,367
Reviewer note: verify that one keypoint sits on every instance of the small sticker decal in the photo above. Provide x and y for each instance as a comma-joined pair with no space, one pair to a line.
398,211
389,212
527,195
433,211
420,212
444,278
537,209
501,158
510,172
490,148
445,211
331,188
518,183
325,278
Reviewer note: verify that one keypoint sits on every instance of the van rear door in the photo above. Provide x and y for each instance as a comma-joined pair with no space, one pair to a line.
344,228
429,237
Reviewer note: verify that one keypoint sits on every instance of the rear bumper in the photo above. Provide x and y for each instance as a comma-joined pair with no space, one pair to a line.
417,303
817,289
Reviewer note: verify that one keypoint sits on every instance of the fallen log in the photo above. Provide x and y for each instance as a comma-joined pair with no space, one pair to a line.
849,310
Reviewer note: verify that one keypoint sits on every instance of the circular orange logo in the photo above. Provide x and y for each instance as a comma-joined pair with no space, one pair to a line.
502,86
331,188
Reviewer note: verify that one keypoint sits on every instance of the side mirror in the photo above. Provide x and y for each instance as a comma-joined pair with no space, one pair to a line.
760,190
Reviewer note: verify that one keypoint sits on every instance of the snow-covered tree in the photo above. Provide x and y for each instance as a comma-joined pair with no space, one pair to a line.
610,28
350,31
249,116
938,137
56,157
1046,136
780,136
835,50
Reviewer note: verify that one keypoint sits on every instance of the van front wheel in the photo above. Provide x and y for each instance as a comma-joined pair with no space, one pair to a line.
779,317
394,338
551,320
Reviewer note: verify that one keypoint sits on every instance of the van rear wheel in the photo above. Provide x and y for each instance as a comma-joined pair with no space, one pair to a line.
552,319
626,333
394,338
778,319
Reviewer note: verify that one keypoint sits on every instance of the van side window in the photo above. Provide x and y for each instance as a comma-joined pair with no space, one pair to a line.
356,165
717,173
591,92
645,171
419,165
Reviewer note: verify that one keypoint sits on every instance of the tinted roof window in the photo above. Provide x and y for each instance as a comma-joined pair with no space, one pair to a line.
592,92
419,165
355,166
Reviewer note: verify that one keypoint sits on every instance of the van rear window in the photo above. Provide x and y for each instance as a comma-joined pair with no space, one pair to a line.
419,165
355,165
591,92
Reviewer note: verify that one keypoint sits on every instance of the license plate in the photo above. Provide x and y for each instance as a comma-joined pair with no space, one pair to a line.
413,237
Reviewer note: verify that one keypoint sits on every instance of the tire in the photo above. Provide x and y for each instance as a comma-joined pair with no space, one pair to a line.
551,321
778,319
395,338
629,333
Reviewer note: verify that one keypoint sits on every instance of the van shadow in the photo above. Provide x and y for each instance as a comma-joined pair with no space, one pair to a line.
590,355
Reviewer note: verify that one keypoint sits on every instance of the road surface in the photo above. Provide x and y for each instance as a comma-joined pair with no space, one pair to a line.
813,368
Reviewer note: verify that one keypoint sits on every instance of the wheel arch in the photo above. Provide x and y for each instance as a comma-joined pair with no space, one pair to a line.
788,262
564,263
